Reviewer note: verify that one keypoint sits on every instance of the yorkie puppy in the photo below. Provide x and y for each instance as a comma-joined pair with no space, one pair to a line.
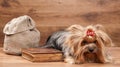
81,44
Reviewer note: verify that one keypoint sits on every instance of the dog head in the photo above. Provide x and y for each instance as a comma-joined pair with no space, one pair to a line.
87,44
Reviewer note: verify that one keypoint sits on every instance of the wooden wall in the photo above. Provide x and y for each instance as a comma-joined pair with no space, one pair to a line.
51,15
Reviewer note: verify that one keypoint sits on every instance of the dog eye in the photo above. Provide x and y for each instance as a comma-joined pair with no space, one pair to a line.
95,41
84,43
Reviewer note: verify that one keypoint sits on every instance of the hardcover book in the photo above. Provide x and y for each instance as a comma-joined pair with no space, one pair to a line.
42,54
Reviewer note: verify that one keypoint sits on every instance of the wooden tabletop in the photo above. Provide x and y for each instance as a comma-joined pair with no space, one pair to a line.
18,61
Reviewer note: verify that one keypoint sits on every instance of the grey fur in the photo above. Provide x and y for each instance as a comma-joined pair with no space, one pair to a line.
56,40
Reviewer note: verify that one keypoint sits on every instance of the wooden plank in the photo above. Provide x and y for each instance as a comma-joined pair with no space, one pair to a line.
11,61
58,14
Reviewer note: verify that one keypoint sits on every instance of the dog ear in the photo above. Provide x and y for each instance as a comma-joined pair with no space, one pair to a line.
19,24
75,28
101,33
74,41
105,38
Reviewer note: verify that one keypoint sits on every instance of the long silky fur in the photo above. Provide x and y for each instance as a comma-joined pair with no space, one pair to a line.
70,42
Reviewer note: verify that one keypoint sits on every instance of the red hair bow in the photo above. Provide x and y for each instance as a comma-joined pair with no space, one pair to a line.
90,32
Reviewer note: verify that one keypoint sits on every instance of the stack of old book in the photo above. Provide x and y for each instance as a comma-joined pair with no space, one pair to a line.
42,54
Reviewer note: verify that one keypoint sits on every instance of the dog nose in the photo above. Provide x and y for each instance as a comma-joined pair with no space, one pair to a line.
91,49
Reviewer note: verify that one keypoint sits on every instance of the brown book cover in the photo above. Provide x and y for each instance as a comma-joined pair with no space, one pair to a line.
42,54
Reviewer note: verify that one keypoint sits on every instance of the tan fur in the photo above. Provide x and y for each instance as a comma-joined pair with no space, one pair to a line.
79,50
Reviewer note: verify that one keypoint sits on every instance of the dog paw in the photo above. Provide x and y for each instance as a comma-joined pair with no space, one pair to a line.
69,60
79,62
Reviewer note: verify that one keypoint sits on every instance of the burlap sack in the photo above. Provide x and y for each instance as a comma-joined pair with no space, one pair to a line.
20,33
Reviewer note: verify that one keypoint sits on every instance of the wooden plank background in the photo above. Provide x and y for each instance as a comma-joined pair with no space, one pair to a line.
52,15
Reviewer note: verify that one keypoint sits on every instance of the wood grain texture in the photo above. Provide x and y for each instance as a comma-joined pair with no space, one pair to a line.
53,15
12,61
